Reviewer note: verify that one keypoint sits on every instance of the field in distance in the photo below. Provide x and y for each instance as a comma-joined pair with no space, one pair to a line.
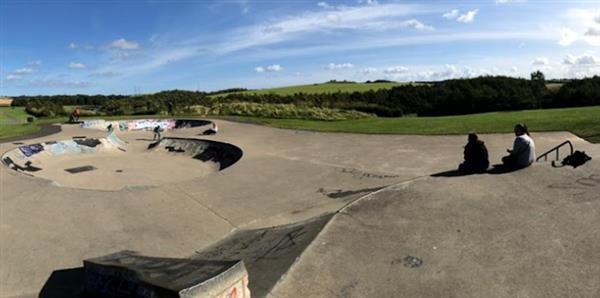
321,88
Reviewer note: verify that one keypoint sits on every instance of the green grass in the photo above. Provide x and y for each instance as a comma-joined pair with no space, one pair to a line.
12,115
13,122
584,122
321,88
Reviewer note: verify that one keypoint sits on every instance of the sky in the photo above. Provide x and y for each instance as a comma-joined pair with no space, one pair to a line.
135,47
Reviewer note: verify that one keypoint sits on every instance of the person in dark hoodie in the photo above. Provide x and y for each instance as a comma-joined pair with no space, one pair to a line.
476,156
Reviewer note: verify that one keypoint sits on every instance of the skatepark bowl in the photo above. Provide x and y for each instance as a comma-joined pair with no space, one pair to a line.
125,157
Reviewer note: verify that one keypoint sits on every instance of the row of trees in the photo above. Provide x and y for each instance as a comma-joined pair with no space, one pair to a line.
451,97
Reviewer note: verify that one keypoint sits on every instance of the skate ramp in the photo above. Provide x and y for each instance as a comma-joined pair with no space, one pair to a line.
111,163
529,233
268,253
144,124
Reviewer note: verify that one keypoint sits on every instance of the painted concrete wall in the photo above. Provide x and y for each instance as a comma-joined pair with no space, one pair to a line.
143,124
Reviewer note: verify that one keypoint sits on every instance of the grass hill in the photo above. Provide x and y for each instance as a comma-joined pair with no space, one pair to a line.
329,87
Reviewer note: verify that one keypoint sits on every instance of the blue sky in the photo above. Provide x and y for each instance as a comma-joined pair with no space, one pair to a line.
127,46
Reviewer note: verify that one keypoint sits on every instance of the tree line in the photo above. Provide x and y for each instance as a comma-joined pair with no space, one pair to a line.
450,97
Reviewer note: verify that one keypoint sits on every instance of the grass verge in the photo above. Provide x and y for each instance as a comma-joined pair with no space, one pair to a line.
584,122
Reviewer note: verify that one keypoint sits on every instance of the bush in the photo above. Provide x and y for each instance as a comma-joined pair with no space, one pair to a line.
287,111
40,108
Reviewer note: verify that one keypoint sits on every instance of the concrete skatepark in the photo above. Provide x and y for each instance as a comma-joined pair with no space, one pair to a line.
310,214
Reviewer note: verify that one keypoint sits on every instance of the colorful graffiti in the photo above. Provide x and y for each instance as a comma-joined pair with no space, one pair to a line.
29,150
21,157
143,124
114,140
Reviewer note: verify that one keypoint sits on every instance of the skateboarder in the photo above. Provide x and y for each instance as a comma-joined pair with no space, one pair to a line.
157,131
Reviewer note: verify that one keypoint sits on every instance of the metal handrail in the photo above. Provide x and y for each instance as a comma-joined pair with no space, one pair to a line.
545,155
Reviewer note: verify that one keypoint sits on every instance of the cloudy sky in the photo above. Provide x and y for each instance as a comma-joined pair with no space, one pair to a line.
135,46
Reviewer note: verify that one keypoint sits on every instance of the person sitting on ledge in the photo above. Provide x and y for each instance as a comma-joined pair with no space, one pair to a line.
523,152
213,130
476,156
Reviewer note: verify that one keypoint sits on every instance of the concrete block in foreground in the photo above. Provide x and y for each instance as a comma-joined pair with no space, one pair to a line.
127,274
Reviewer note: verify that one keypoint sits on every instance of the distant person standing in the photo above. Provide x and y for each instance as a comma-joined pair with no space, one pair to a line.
523,152
157,131
213,130
171,107
476,156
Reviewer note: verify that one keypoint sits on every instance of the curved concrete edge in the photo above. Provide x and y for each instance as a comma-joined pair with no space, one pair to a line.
144,124
224,154
19,159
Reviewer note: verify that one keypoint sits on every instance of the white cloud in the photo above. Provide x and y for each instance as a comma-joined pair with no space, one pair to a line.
451,15
585,65
417,25
446,73
514,69
333,66
270,68
124,44
581,60
368,2
567,37
23,71
468,17
597,19
76,65
56,83
13,77
73,45
592,32
104,74
324,5
509,1
369,70
583,26
274,67
35,62
540,61
298,26
395,70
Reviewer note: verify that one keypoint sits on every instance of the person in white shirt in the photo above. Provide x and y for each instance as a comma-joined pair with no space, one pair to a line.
212,130
523,152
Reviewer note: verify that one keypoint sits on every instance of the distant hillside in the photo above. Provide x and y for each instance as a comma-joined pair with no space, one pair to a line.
320,88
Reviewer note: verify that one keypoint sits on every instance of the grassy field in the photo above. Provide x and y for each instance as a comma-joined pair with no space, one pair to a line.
584,122
13,122
12,115
321,88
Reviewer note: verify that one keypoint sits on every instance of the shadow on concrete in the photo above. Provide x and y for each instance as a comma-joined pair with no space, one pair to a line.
496,169
501,169
67,283
267,253
451,173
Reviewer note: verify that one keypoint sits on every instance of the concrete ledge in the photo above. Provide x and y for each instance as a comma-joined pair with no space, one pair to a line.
127,274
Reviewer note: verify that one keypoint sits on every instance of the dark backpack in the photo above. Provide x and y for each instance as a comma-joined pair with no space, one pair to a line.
576,159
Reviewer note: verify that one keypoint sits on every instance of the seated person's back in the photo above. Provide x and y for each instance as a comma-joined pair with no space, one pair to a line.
476,156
